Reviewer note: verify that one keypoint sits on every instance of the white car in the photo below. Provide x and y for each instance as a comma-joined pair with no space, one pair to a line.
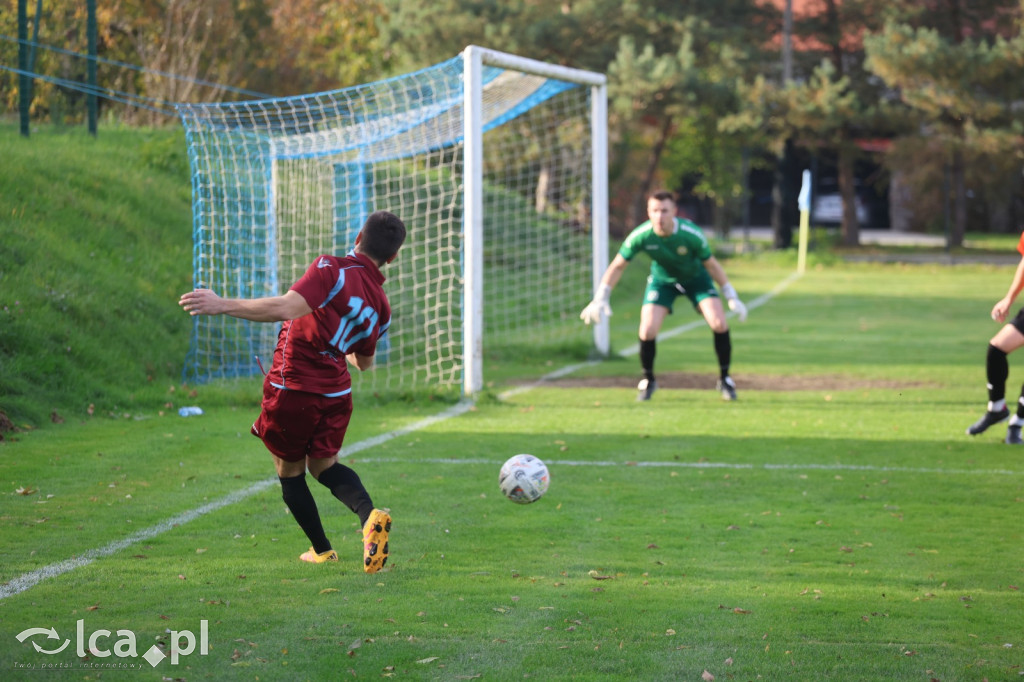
827,207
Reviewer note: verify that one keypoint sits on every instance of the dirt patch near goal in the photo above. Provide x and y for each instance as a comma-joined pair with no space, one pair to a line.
744,382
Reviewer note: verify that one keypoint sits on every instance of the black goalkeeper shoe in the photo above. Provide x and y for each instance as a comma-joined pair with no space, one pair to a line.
646,388
1013,436
988,419
727,388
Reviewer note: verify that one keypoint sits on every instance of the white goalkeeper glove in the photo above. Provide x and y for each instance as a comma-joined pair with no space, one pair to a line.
735,304
599,306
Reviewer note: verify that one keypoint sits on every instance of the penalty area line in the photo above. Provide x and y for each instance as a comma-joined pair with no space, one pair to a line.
869,468
26,581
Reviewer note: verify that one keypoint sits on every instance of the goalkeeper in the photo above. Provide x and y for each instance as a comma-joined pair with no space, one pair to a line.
681,264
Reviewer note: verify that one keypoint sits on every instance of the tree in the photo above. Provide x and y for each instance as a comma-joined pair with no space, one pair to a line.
967,90
316,45
830,102
679,100
678,76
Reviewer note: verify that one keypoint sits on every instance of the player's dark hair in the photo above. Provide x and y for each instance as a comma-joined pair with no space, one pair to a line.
663,194
383,234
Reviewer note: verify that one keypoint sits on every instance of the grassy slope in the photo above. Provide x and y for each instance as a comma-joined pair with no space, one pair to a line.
96,249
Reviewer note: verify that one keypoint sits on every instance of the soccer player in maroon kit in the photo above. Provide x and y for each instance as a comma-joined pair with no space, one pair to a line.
332,316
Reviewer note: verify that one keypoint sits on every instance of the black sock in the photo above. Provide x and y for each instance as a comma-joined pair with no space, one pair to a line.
997,369
1020,405
647,350
345,485
723,349
303,507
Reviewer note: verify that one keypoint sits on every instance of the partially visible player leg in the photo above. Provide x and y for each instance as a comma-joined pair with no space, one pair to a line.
714,314
286,425
652,316
345,484
997,369
1016,425
301,504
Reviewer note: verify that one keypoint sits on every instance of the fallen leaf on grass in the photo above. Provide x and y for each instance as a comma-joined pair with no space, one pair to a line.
597,576
428,660
734,609
328,590
26,490
706,676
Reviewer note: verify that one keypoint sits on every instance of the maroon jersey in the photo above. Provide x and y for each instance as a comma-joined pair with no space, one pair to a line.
350,312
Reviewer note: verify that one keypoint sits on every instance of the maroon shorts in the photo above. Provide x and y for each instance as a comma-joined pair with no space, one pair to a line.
295,424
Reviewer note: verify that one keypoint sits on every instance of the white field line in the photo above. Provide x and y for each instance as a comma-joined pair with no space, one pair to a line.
26,581
713,465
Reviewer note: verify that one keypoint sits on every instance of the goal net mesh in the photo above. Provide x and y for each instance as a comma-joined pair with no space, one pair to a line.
278,182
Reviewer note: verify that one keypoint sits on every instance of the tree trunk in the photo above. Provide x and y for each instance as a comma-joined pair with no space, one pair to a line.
652,169
959,227
782,193
849,227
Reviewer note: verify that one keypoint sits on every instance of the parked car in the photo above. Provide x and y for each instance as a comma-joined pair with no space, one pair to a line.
827,205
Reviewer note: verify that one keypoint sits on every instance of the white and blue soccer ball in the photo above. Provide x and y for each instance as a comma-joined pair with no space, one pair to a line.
523,479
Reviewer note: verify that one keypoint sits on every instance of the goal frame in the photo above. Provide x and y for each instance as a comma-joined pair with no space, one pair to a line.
475,58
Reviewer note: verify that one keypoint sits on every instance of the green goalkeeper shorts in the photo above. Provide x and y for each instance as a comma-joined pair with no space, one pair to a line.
664,293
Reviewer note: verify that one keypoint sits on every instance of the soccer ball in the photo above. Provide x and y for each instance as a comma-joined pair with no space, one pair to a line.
523,479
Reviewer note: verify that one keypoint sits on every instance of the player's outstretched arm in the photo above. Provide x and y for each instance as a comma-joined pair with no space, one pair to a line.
269,309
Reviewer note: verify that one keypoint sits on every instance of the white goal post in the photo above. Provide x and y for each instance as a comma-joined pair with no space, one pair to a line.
474,59
496,163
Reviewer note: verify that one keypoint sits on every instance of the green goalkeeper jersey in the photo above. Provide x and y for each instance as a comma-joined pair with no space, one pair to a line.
676,258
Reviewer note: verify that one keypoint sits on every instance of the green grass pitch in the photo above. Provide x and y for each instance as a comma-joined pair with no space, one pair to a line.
843,529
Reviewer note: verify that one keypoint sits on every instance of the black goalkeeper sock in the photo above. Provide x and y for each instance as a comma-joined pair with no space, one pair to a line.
300,502
997,369
345,485
723,349
647,351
